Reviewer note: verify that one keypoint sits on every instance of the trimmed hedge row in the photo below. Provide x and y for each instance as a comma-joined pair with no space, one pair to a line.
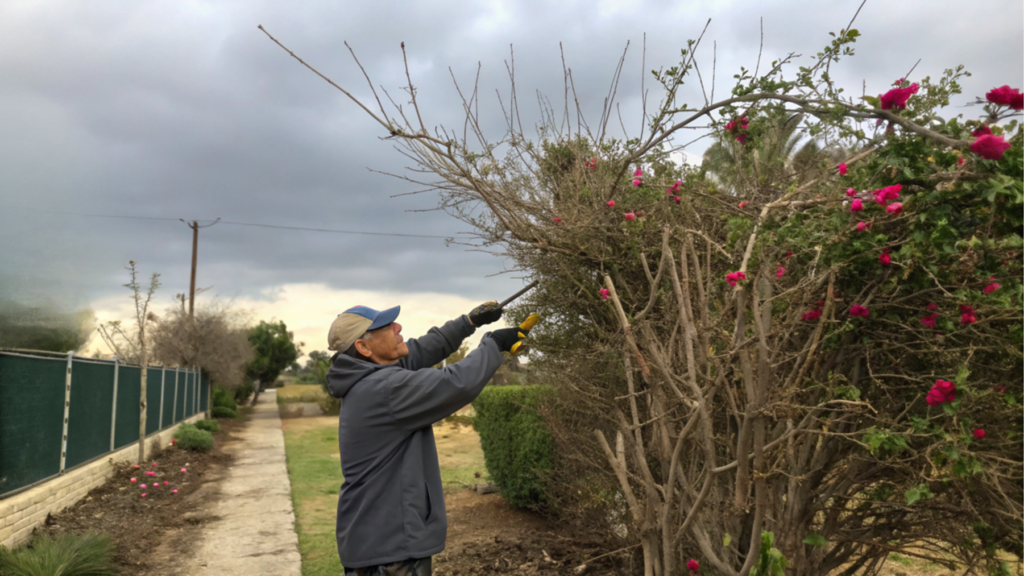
517,443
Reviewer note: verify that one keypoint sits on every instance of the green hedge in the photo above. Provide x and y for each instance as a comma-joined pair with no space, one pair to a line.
517,442
224,399
223,412
191,438
67,555
208,425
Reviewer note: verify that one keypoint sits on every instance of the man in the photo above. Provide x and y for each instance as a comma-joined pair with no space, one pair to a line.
391,515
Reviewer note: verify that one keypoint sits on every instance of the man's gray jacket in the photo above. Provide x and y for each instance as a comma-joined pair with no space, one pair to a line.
391,505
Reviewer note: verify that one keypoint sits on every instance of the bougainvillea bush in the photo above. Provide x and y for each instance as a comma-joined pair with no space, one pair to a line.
812,340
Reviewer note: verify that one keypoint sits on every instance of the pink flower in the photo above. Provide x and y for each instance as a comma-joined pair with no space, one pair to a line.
891,192
175,491
638,172
968,318
942,391
676,198
557,220
965,309
592,163
743,123
742,204
899,82
166,483
788,254
605,293
154,463
929,320
932,306
1006,96
811,315
611,204
979,433
630,216
862,226
856,205
184,470
733,277
133,480
692,565
143,486
857,310
981,131
851,192
896,99
999,389
135,467
990,147
637,183
742,138
895,208
143,495
991,288
885,259
843,169
960,161
780,272
731,125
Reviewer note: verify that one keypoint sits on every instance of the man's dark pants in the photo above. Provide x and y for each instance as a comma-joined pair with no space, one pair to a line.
414,567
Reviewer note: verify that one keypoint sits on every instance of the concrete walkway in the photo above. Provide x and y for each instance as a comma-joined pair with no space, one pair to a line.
253,527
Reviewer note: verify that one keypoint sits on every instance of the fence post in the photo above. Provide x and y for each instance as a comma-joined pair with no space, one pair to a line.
113,407
195,391
174,404
67,410
160,419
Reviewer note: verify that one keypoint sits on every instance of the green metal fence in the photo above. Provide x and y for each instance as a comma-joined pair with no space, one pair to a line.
60,411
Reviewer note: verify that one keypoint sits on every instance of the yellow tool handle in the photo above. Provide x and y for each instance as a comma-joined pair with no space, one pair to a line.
527,324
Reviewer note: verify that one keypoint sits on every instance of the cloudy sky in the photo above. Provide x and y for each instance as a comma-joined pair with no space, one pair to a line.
183,109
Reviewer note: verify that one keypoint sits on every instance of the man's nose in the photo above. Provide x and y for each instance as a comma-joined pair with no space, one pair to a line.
398,328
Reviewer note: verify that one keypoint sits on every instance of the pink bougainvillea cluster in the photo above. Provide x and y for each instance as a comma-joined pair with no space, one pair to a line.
592,163
858,310
814,314
636,177
943,391
739,128
734,277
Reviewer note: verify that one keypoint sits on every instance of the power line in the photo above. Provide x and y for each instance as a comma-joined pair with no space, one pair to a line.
257,225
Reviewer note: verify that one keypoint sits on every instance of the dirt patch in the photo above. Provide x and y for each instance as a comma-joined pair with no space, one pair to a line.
486,536
152,534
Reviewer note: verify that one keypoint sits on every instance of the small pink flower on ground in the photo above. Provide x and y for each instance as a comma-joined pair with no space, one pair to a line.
979,433
166,483
991,288
1006,96
692,565
676,198
174,441
142,486
155,485
929,320
638,172
557,220
843,169
932,306
184,470
896,99
780,272
885,259
637,183
610,204
143,495
175,491
135,467
851,192
858,310
960,161
154,463
990,147
133,480
856,205
862,226
788,254
630,216
981,131
895,208
604,293
742,205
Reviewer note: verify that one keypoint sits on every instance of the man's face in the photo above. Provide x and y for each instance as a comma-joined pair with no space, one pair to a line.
386,345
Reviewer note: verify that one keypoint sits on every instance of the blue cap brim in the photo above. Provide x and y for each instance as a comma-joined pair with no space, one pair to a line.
384,318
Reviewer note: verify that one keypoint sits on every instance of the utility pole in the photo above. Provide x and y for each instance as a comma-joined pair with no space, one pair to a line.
192,305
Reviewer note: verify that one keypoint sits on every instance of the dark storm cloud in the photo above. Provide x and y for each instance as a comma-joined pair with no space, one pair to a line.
185,109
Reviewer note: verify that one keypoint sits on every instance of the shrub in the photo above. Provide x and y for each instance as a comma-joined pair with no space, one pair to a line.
67,555
223,412
223,399
243,392
208,425
192,438
516,442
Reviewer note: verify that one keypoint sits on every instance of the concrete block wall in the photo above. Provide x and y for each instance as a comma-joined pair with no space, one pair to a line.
21,513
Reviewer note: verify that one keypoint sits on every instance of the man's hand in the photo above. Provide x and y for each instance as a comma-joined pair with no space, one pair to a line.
485,313
506,338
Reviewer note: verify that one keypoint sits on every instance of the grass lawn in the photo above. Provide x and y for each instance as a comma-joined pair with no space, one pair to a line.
300,393
314,468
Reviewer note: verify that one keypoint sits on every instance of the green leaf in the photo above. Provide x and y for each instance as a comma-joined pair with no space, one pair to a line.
816,540
727,540
915,494
872,100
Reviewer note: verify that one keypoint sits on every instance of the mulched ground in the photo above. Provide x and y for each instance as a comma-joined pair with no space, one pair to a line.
152,533
486,536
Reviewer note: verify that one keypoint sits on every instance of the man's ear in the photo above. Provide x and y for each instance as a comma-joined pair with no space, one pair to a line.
362,348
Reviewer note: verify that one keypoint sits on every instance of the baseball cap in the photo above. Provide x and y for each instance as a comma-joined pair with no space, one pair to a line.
351,324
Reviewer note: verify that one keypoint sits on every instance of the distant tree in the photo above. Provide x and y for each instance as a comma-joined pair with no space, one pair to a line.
455,356
275,350
44,327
